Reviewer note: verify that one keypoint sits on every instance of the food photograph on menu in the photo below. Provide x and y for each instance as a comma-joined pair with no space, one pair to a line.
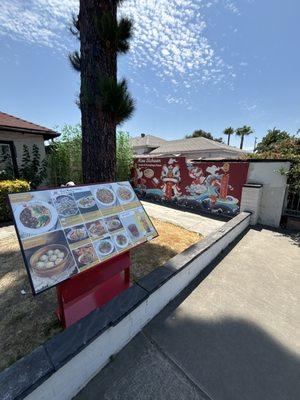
49,260
106,199
35,213
65,231
105,248
96,229
66,206
77,235
85,256
86,203
126,195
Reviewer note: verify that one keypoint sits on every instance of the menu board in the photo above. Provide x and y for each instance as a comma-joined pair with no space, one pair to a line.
64,231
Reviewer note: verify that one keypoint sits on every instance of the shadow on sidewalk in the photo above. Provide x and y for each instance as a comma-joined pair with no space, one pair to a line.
184,359
179,357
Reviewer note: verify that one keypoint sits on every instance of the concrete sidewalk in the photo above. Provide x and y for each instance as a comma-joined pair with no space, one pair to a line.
233,336
193,222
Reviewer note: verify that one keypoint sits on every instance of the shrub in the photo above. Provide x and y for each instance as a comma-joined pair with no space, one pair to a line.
33,169
7,187
64,157
124,156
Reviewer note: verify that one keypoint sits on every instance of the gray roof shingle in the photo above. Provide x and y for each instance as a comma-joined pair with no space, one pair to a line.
147,140
191,145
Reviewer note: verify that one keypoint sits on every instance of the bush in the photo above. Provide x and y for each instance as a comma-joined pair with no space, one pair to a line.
64,157
33,170
7,187
124,156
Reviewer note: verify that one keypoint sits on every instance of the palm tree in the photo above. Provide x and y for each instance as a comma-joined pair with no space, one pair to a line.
228,132
242,132
104,102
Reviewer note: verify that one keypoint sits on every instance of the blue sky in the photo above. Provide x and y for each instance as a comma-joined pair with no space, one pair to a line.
193,64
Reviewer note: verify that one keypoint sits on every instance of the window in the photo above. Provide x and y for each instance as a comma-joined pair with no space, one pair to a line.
8,163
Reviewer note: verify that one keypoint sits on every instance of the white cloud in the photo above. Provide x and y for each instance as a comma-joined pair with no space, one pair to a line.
246,105
169,37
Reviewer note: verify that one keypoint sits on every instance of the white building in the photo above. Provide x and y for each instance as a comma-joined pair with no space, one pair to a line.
14,134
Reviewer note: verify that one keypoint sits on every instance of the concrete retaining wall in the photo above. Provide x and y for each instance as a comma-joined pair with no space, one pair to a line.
66,363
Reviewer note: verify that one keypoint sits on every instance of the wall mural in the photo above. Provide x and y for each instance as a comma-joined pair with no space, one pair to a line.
214,187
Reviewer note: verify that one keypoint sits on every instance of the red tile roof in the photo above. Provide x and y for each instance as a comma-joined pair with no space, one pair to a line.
11,123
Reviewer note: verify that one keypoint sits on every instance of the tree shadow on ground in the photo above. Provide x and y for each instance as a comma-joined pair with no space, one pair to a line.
148,257
293,235
174,206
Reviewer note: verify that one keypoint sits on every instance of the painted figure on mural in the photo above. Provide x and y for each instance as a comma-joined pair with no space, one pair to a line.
170,176
138,180
198,183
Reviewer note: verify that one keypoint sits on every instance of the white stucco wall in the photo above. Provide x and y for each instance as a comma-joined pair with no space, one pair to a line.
20,139
274,188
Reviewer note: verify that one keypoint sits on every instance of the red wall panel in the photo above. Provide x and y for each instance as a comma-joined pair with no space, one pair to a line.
211,186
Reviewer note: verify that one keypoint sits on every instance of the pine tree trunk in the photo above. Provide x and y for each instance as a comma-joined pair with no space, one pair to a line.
242,142
98,59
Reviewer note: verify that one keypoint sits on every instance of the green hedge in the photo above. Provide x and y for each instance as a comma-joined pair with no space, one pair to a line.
7,187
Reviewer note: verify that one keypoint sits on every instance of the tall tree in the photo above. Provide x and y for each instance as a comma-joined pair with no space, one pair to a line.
228,132
202,133
104,102
270,141
242,132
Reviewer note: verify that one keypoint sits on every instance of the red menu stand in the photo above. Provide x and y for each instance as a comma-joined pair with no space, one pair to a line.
85,292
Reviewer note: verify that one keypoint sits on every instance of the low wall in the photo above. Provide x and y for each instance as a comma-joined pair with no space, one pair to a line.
267,173
65,364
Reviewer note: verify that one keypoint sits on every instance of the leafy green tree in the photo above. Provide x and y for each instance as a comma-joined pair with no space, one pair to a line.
202,133
33,170
64,157
270,141
242,132
124,156
228,132
104,101
281,145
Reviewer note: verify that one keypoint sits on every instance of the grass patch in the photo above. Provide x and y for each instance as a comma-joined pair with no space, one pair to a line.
27,321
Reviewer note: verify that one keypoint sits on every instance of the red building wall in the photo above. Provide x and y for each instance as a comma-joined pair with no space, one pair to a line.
211,186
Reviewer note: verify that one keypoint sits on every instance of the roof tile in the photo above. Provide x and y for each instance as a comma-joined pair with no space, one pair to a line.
9,121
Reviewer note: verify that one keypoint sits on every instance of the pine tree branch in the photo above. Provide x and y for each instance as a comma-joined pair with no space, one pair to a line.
75,61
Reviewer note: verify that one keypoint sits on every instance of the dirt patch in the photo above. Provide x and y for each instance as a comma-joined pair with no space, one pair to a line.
27,321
